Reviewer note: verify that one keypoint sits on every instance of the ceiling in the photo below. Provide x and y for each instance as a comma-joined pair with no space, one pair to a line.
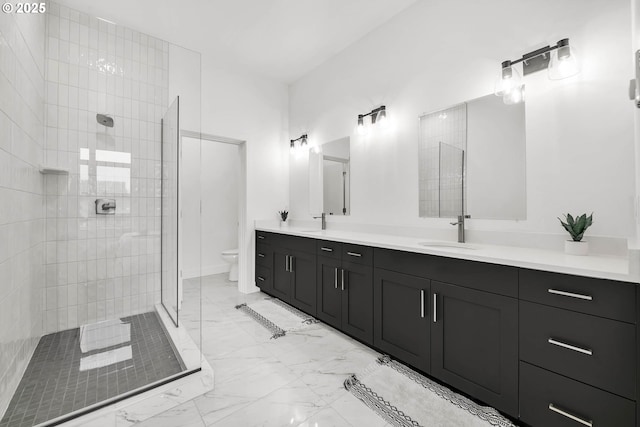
280,39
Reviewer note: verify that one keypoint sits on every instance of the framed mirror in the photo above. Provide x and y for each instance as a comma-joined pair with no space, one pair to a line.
472,160
330,178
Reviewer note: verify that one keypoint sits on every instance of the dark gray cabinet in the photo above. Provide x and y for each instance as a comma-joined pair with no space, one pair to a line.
474,344
345,290
264,262
293,271
551,400
578,350
547,348
401,322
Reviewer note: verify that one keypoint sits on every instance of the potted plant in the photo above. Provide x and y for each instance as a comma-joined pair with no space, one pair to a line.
283,218
576,228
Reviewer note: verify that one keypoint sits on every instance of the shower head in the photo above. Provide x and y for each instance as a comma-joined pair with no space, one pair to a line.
104,120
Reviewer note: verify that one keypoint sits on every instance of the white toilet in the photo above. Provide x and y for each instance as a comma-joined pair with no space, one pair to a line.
231,256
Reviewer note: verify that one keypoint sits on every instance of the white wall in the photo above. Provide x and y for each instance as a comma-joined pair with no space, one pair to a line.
22,231
580,152
242,106
211,174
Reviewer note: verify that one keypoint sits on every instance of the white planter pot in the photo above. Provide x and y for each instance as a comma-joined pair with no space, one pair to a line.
284,224
576,248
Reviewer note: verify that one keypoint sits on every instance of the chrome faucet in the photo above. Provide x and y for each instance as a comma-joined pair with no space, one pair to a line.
460,224
324,220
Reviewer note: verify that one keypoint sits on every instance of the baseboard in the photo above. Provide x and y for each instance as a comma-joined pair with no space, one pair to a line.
206,271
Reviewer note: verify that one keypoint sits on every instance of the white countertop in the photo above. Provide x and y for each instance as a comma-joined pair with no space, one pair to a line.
604,267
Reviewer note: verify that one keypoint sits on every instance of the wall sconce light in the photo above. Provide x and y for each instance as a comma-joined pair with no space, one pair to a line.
559,60
377,115
302,139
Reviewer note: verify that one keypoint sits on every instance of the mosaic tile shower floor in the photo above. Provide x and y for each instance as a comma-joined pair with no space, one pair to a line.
73,369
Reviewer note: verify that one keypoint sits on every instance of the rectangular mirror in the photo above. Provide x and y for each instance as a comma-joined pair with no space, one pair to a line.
330,178
472,159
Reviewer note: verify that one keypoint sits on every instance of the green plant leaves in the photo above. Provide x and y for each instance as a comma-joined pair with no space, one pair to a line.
577,226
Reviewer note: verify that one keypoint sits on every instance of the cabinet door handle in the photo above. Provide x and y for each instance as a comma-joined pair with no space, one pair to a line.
342,279
354,254
286,263
326,249
291,263
260,255
570,347
570,294
335,278
557,410
260,278
422,303
260,237
435,308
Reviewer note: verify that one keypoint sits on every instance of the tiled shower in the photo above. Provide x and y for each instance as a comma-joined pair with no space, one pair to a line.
64,268
101,266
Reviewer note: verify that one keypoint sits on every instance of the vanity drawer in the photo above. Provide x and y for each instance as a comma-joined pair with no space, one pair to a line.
263,237
494,278
606,298
295,243
264,255
561,340
550,400
263,278
357,254
329,249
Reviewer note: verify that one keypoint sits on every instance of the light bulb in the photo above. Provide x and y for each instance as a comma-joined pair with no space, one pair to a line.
563,62
382,117
508,79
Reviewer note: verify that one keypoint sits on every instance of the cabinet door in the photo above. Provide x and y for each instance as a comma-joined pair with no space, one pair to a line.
329,293
357,300
401,323
281,277
474,344
303,285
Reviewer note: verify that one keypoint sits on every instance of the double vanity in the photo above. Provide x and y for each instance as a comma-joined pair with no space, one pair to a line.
547,339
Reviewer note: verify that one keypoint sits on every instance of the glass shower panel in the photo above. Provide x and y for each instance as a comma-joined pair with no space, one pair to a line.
170,218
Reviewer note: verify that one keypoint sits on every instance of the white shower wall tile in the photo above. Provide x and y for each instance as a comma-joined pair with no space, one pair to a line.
102,265
22,224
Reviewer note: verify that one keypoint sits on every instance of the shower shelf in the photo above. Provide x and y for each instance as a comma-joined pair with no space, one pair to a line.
51,170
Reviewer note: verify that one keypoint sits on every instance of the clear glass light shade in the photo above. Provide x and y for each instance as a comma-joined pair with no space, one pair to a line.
381,120
515,96
508,80
563,63
361,129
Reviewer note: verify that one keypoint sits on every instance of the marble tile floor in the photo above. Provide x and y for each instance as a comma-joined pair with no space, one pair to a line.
295,380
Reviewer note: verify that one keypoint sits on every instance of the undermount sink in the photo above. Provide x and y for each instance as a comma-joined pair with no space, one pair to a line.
452,245
311,231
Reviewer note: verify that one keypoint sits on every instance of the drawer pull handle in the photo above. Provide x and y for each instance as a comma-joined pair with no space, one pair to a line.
260,255
570,347
260,237
435,308
261,278
422,303
326,249
570,416
570,294
354,254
